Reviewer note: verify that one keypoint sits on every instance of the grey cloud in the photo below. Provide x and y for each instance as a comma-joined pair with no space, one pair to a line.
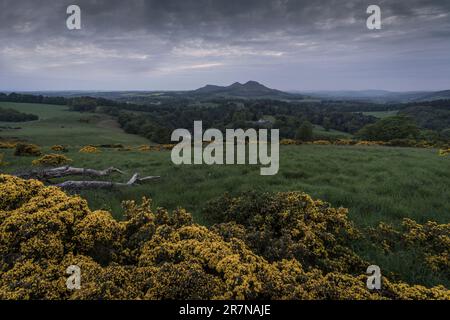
156,44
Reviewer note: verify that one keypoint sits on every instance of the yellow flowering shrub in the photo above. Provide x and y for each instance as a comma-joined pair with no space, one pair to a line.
25,149
370,143
145,148
431,240
59,148
345,142
167,146
444,152
321,142
160,147
51,160
162,255
89,149
299,227
286,142
125,149
7,145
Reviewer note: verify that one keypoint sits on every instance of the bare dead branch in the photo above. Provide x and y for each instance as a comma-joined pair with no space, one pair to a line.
79,185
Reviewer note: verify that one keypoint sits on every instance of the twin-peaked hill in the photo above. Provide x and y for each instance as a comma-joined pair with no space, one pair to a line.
250,89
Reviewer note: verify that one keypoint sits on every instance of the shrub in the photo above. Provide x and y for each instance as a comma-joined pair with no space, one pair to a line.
345,142
444,152
397,127
51,160
321,142
89,149
305,132
286,142
110,146
59,148
157,255
7,145
125,149
430,240
145,148
297,226
402,143
11,115
167,146
370,143
24,149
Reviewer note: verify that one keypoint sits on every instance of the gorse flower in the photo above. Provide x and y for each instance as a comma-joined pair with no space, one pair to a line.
51,160
89,149
283,246
59,148
7,145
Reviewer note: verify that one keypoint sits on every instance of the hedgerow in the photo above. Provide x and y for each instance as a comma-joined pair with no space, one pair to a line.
162,255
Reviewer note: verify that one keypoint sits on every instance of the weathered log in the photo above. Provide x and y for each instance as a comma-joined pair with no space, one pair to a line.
78,185
65,171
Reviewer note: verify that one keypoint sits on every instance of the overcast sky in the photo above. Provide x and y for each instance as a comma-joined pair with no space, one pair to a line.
185,44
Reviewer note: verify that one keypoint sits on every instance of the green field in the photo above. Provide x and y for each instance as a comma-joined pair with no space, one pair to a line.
375,183
58,125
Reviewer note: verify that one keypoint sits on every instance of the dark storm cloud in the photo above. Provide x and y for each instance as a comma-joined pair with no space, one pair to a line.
321,44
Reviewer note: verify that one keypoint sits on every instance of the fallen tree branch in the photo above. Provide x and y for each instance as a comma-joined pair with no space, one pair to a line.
78,185
65,171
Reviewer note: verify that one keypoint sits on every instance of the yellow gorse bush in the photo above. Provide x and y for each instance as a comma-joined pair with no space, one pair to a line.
167,146
444,152
26,149
159,147
322,142
370,143
157,255
7,145
145,148
432,238
345,142
125,149
89,149
51,160
59,148
286,142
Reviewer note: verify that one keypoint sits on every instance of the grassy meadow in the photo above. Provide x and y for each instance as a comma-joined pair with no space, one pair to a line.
375,183
58,125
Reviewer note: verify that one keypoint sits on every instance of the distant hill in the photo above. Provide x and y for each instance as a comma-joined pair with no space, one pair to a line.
438,95
381,96
250,89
